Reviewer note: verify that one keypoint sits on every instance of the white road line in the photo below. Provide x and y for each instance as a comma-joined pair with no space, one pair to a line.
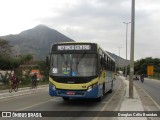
96,118
151,99
111,97
34,105
104,102
18,96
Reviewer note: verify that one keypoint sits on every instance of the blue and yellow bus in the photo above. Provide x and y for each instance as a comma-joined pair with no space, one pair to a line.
80,70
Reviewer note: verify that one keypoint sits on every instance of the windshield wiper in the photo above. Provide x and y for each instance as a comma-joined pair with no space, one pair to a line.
65,61
81,58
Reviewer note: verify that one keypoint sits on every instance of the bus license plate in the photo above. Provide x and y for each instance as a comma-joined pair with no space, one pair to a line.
70,93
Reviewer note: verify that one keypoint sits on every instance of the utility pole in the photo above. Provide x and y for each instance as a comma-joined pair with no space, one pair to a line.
126,46
132,51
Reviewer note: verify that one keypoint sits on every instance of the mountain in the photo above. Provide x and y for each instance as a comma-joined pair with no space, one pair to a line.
120,62
36,41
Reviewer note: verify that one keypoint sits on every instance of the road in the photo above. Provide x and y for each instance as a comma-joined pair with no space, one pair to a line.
43,102
152,87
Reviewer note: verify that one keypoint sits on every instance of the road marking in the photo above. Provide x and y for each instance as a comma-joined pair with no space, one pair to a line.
96,118
112,96
7,98
34,105
55,99
151,99
104,102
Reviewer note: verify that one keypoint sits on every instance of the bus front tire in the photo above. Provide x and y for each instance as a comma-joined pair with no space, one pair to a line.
65,98
110,91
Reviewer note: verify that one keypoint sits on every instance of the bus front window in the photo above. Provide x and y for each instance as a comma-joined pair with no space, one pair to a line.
73,64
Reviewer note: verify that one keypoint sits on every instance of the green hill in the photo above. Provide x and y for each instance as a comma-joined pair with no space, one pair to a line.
36,41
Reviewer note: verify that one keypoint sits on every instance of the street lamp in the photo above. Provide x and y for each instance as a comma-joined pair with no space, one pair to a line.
126,45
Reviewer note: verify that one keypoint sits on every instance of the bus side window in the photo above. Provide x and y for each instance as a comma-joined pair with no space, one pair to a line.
105,66
105,63
110,65
101,63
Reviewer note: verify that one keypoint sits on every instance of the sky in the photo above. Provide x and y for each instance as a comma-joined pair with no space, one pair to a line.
99,21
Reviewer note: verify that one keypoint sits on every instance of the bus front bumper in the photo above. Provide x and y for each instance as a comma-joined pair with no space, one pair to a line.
92,93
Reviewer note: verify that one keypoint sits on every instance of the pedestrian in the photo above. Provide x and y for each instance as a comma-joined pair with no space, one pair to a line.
14,80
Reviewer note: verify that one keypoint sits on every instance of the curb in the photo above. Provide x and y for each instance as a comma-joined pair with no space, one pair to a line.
22,91
129,104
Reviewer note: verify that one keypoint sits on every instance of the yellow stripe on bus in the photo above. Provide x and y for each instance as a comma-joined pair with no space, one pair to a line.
66,86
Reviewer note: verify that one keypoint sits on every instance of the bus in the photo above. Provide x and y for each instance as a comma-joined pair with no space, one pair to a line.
80,70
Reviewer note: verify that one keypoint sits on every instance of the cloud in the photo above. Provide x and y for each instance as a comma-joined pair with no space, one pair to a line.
94,21
98,21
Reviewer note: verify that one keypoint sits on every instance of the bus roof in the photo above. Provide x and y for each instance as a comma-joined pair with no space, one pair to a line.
98,46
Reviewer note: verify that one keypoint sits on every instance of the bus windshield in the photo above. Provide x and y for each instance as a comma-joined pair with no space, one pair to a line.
73,64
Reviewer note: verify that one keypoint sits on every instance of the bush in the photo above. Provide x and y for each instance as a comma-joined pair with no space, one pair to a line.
5,78
26,80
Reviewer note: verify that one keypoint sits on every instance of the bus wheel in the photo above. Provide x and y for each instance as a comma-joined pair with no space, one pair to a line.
65,98
99,99
110,91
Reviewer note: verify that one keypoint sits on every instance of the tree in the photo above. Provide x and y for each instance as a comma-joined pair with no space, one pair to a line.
141,65
5,48
8,63
43,69
25,58
11,63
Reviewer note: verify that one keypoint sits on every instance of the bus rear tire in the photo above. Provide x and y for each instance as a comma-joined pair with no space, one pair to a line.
110,91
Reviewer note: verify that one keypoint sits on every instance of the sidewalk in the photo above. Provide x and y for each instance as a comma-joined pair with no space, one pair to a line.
129,104
22,91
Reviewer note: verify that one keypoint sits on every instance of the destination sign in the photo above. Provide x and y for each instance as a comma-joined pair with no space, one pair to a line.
74,47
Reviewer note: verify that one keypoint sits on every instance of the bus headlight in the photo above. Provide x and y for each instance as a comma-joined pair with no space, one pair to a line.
92,86
53,87
89,88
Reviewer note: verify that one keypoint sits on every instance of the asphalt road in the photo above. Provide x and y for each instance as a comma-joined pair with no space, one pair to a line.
43,102
151,87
